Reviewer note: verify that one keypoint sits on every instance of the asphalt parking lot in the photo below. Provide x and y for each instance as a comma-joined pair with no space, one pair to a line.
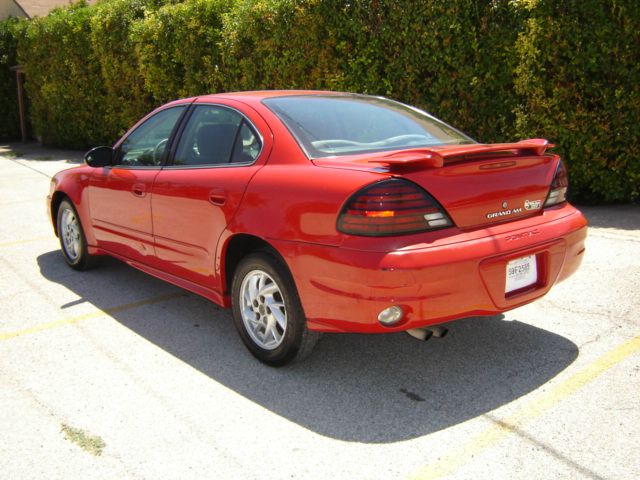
112,374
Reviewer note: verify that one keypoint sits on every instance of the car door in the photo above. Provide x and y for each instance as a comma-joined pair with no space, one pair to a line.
120,194
195,197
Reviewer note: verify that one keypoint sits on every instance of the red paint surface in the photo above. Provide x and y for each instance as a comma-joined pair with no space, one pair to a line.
176,223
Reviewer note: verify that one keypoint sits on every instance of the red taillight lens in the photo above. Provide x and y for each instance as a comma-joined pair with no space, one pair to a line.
391,207
559,185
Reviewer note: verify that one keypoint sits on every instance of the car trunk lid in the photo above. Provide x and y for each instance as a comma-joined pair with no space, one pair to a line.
478,185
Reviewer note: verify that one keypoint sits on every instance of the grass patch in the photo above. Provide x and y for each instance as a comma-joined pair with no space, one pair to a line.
12,154
44,157
89,443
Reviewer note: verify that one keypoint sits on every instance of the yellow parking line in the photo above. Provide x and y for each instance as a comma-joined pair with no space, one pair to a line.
87,316
455,459
28,240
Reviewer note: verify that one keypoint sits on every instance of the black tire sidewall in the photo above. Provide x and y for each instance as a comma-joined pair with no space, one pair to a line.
296,322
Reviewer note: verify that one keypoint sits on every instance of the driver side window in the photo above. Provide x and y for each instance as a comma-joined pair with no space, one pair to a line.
145,146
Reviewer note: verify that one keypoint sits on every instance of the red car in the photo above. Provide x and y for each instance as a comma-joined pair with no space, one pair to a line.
309,212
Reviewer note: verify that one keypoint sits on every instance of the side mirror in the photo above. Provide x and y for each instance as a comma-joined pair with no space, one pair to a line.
99,157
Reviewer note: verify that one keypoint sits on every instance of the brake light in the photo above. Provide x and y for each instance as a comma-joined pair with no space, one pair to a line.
391,207
559,185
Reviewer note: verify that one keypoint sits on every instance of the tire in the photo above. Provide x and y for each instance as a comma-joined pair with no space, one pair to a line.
73,242
267,312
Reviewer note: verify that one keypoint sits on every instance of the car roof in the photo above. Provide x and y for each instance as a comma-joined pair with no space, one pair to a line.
262,94
256,96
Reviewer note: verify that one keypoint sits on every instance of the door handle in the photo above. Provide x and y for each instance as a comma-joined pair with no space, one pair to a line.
139,190
218,196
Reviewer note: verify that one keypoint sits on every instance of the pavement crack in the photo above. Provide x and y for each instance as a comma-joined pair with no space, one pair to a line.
30,168
548,449
588,342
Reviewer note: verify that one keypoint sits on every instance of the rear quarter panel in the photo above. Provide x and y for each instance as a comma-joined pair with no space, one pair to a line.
298,202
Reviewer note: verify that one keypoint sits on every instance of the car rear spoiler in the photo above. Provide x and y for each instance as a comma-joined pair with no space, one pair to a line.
426,157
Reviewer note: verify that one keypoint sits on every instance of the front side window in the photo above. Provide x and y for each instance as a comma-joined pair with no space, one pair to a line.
145,146
217,135
333,125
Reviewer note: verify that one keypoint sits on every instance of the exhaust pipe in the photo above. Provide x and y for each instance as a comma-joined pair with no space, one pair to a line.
438,331
426,333
420,333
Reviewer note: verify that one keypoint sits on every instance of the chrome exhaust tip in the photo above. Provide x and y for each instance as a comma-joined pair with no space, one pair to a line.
420,333
426,333
438,331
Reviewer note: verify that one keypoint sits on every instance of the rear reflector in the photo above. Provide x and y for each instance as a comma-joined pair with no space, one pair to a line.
559,185
391,207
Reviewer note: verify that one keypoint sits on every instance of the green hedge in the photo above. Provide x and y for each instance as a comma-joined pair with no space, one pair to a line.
63,78
282,44
125,96
578,80
9,120
178,49
502,70
451,58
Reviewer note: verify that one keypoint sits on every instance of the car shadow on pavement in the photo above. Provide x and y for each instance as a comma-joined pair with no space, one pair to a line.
357,388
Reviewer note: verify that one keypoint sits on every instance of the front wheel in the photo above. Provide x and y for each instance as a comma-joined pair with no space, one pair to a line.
73,243
267,312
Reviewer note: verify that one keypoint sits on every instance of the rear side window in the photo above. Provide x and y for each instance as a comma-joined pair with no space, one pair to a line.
333,125
217,135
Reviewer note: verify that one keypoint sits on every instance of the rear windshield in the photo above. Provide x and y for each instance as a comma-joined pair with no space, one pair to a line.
333,125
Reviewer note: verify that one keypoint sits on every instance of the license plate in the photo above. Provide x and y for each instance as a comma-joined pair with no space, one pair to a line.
521,273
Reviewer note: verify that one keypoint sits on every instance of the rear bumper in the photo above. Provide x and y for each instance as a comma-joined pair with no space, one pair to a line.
344,290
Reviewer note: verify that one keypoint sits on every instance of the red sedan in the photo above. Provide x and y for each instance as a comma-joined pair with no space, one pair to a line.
309,212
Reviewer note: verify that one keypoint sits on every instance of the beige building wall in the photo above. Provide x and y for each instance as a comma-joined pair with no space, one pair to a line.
31,8
9,8
40,8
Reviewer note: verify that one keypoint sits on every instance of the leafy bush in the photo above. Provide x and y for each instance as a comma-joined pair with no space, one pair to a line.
63,78
178,49
9,120
282,44
451,58
126,97
502,70
578,78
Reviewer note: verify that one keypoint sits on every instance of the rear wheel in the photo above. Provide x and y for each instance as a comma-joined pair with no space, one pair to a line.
267,311
73,243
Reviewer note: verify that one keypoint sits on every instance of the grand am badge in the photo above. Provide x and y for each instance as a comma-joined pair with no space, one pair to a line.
504,213
528,205
532,204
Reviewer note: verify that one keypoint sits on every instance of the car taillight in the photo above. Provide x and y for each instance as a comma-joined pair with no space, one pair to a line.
559,185
391,207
